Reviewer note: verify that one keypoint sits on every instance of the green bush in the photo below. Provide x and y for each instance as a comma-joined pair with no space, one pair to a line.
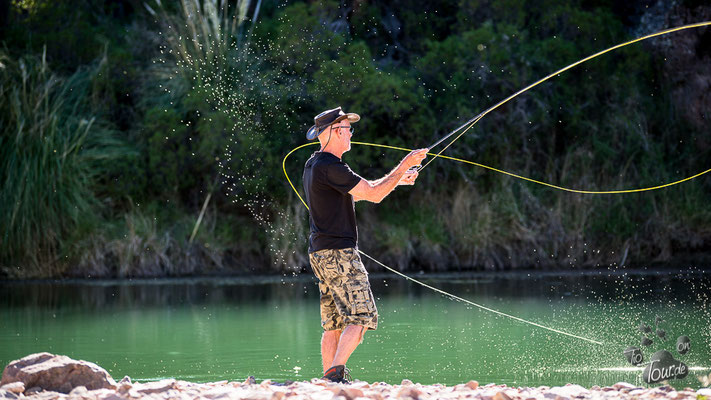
52,151
190,101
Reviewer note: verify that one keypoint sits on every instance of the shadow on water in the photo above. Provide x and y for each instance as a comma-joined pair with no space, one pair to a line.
96,294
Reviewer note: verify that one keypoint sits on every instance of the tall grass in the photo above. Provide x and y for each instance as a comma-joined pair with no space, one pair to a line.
203,46
51,152
151,241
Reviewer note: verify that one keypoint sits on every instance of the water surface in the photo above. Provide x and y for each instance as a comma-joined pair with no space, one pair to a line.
219,328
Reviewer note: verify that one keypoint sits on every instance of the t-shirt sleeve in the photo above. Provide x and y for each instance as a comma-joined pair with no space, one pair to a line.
340,177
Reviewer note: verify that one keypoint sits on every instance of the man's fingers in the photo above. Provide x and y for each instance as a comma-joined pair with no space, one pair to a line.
418,155
409,177
415,157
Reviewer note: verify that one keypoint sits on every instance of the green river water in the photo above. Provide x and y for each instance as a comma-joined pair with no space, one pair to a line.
228,328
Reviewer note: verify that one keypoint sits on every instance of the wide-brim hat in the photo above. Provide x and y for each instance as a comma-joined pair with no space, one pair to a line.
327,118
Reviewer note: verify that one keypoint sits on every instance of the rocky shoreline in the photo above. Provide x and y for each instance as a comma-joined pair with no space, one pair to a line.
45,376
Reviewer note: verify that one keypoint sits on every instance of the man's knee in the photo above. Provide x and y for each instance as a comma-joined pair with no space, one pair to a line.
332,334
362,333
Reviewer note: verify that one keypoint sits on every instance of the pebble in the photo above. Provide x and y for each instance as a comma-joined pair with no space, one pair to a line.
79,391
155,387
250,380
569,391
14,387
623,385
410,392
501,396
33,390
6,394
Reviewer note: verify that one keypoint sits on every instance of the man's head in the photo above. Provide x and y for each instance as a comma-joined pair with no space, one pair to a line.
333,125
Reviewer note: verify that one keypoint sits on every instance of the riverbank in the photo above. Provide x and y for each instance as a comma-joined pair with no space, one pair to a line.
379,274
47,376
319,389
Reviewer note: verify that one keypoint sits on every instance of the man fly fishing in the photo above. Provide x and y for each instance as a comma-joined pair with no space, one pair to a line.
332,188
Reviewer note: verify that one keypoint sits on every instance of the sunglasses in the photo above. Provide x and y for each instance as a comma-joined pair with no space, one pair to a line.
345,126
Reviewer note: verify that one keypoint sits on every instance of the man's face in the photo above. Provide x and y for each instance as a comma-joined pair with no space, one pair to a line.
343,130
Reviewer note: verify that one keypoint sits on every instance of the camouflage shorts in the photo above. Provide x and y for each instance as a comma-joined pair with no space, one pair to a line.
346,298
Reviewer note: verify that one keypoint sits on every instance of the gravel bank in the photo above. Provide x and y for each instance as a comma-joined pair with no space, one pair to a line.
321,390
45,376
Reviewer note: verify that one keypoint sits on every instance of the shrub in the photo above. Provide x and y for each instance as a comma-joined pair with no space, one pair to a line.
52,150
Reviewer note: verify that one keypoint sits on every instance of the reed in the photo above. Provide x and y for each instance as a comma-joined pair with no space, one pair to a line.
150,242
52,150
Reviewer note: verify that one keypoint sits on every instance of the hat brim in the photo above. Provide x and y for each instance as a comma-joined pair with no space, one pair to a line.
352,117
315,131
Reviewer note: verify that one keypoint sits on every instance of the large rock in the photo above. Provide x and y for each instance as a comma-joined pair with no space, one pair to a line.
56,373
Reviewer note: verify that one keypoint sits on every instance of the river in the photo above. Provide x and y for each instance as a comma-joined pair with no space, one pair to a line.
211,329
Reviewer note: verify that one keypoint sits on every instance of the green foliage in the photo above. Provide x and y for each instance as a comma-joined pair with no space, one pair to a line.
168,153
189,99
72,32
52,151
303,36
389,102
207,76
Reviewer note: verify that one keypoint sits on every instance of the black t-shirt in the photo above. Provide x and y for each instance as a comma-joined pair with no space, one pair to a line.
327,181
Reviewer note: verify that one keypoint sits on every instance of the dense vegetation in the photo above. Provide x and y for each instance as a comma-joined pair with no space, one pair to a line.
141,139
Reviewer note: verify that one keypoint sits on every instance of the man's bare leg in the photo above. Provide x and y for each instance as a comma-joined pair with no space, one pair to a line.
329,345
350,339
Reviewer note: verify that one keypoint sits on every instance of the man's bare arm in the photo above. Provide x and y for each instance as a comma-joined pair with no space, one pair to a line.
408,178
376,191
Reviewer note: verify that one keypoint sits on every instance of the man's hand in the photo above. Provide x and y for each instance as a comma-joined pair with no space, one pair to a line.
414,158
409,177
376,191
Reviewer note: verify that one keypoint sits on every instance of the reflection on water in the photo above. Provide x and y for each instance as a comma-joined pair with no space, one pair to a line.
222,328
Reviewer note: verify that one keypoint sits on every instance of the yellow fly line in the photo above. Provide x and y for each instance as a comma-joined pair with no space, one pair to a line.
645,189
473,122
468,126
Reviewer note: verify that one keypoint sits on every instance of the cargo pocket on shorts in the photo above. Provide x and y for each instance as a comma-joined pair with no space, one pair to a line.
360,302
327,265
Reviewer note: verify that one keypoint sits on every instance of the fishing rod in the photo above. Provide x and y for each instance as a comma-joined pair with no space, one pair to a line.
471,121
476,119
